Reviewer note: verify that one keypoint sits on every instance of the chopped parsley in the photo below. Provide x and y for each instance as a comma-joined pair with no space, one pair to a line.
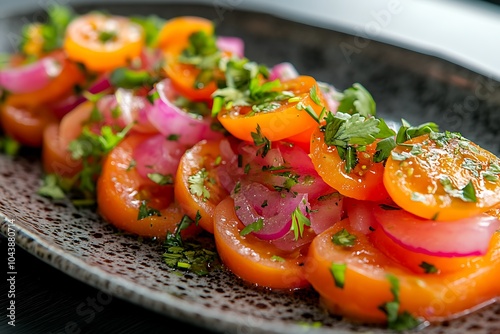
466,194
189,255
51,188
428,268
344,238
396,320
338,273
351,133
106,36
9,146
259,140
253,227
146,211
491,173
197,184
123,77
161,179
299,221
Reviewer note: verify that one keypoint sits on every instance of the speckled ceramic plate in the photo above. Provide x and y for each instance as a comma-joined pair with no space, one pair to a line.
405,85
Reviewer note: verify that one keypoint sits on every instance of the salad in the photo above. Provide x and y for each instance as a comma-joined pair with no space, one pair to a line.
170,132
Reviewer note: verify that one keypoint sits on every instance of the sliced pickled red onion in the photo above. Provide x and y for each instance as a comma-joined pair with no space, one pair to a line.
157,155
233,45
64,106
31,77
464,237
172,120
326,211
283,71
330,95
360,214
255,201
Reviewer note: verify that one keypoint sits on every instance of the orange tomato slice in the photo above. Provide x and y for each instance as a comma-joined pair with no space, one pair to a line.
175,33
447,179
26,125
435,297
283,122
121,192
201,157
103,42
254,260
364,182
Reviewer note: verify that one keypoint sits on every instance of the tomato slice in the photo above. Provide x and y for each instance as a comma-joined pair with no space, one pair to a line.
121,191
184,78
103,42
434,297
282,122
26,125
175,33
364,182
56,158
252,259
446,178
201,159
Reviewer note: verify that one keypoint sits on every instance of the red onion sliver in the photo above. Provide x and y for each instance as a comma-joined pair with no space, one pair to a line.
329,93
256,201
31,77
360,214
158,155
233,45
326,212
283,71
171,120
464,237
64,106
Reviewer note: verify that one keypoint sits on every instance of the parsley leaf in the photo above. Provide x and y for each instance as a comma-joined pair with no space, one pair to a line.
350,133
189,255
253,227
466,194
344,238
395,320
197,184
407,131
338,273
161,179
428,268
9,146
299,221
146,211
357,100
261,142
123,77
51,188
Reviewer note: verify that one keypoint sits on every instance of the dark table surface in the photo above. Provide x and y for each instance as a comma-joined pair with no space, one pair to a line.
49,301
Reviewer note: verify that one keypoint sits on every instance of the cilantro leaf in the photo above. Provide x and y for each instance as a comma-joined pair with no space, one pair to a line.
123,77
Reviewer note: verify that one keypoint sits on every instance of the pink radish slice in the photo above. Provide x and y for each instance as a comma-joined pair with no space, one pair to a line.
464,237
